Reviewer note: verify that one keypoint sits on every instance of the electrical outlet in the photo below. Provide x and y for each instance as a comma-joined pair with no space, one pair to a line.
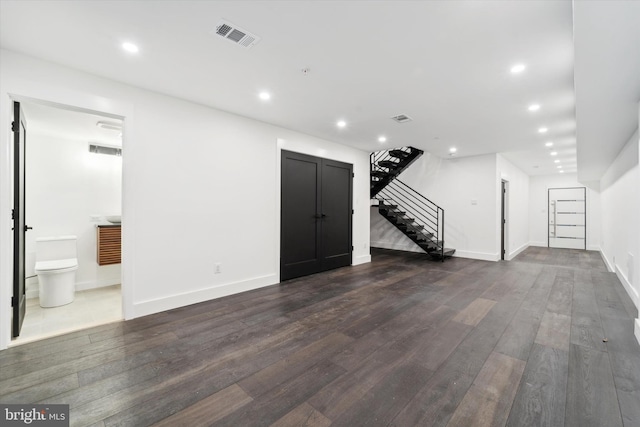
217,269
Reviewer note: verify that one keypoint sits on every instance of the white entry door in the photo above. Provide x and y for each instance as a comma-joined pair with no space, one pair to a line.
567,218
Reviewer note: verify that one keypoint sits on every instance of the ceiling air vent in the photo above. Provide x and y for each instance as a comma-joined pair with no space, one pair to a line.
105,149
235,34
402,118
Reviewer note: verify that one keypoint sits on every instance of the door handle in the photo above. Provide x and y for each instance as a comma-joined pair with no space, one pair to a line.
27,228
320,216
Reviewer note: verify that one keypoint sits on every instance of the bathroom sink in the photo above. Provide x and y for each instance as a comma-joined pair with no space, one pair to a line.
114,219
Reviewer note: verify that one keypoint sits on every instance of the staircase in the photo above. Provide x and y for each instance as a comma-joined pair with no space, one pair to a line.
387,164
414,215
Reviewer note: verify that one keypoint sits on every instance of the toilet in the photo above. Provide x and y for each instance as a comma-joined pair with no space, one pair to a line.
56,266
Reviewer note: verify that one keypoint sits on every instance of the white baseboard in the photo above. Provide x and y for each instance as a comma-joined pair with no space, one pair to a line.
539,244
637,330
477,255
84,286
607,263
517,252
33,291
362,259
397,246
180,300
633,294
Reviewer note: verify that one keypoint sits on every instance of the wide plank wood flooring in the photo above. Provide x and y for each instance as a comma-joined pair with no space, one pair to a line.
543,340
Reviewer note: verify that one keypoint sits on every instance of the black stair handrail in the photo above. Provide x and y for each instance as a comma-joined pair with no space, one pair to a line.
417,194
415,205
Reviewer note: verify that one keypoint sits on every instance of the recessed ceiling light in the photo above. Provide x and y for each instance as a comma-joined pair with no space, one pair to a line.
559,166
548,144
265,96
341,124
382,139
534,107
554,153
561,171
556,161
542,130
453,149
130,47
518,68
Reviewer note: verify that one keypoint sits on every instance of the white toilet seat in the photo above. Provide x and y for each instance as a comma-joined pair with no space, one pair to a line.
56,266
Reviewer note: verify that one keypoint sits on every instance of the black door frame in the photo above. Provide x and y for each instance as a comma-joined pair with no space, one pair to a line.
504,185
18,298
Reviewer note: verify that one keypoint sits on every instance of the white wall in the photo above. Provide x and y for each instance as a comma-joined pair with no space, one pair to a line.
466,188
620,217
66,184
517,215
200,186
538,208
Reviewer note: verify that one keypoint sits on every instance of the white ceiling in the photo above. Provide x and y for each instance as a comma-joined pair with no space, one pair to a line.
445,64
607,76
70,125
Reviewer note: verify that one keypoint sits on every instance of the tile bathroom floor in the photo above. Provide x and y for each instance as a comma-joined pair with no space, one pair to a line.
90,308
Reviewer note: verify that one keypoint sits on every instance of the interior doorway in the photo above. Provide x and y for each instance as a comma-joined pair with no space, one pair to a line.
503,219
72,172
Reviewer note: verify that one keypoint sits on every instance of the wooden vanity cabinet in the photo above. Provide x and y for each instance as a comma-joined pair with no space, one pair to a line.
109,245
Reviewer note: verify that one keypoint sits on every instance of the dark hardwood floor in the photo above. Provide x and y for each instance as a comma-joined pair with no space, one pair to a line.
402,341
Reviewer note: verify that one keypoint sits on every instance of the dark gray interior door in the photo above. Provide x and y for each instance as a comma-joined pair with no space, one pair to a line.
18,301
336,214
316,203
300,215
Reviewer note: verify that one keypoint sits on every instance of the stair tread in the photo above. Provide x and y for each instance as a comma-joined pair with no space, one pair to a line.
388,164
406,221
448,252
380,174
399,154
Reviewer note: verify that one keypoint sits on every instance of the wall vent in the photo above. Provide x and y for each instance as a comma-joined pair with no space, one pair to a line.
235,34
402,118
105,149
109,125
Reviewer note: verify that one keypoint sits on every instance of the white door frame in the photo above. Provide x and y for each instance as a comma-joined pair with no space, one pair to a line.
27,91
